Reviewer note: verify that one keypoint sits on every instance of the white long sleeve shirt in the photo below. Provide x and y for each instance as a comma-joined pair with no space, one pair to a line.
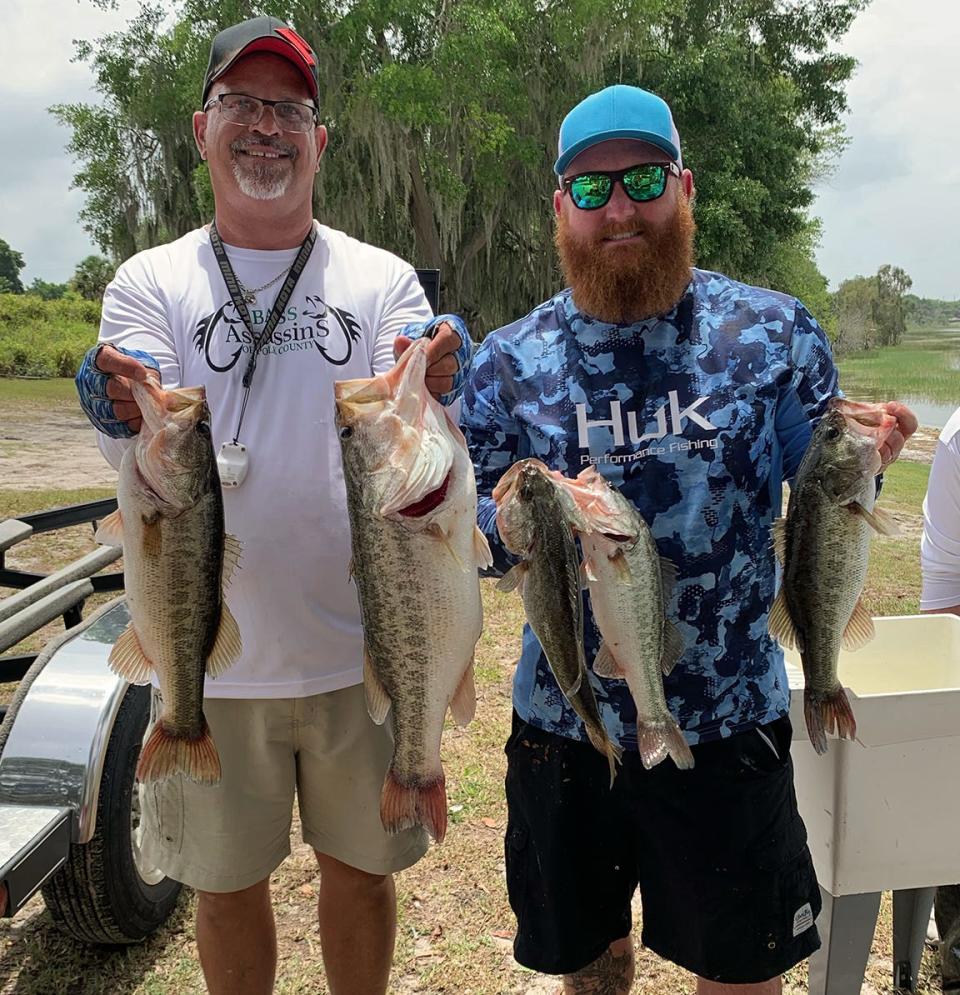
296,608
940,544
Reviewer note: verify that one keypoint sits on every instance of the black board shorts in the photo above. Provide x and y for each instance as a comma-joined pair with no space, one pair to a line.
718,852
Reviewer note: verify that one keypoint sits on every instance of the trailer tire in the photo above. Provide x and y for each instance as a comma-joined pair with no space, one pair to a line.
99,895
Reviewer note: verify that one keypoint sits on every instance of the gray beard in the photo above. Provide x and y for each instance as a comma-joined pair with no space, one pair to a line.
261,183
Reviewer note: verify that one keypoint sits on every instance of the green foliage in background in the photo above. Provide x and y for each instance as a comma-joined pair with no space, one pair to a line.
888,309
91,277
853,302
871,310
11,262
46,290
443,121
41,338
793,271
922,366
931,313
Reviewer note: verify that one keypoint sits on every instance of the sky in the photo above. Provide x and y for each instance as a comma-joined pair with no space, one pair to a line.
895,194
893,197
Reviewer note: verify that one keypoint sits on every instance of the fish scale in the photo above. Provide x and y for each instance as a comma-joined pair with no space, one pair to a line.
396,619
411,499
179,606
534,520
824,544
629,586
171,526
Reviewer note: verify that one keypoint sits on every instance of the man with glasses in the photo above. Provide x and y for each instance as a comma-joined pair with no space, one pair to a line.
694,395
267,308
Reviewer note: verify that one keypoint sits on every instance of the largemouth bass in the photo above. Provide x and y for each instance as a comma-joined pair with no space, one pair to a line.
823,544
630,585
535,518
412,502
177,560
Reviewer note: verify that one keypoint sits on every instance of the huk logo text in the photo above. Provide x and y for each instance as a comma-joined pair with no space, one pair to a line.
658,430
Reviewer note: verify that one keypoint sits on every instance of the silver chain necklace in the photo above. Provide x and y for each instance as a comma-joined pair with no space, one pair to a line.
250,293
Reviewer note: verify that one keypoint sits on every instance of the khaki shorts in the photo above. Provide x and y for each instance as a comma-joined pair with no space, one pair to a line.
324,748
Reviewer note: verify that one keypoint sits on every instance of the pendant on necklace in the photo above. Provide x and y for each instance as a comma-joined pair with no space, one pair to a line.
250,297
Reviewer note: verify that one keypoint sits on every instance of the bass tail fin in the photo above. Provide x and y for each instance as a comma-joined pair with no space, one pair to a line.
405,805
661,739
165,754
828,713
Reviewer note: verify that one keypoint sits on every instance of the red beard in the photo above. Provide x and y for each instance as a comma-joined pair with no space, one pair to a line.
630,282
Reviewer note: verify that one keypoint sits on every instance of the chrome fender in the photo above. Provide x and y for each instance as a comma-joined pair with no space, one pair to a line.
57,744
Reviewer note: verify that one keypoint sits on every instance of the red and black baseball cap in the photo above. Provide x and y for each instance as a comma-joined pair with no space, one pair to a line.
260,34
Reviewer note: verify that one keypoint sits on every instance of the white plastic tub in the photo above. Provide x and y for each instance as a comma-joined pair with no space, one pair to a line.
883,812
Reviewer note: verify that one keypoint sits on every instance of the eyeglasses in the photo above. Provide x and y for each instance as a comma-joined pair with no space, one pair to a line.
646,181
240,108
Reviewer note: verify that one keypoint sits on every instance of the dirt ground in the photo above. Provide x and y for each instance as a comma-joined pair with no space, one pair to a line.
52,448
921,445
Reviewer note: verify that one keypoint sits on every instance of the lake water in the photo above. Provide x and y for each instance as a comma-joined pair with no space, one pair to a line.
929,413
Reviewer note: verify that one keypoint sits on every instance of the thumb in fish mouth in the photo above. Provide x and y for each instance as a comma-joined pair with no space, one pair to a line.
867,419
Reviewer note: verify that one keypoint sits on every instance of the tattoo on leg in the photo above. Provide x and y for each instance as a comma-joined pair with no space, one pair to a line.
610,974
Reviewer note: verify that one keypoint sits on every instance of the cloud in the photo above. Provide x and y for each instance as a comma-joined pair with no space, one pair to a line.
38,211
893,197
872,158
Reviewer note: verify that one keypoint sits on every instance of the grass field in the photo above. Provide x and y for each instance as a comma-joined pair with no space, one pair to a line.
59,391
45,338
925,365
893,581
455,925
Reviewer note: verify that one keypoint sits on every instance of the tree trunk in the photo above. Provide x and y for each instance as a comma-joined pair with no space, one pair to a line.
422,216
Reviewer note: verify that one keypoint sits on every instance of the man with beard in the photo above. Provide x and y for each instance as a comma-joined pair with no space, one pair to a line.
267,308
695,396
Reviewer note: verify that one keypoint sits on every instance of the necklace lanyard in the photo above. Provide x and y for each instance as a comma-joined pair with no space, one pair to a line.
273,318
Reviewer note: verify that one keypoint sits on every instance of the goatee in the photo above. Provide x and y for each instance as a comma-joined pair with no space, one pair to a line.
627,283
263,179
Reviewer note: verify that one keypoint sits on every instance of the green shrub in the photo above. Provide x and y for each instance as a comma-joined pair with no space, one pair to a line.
41,338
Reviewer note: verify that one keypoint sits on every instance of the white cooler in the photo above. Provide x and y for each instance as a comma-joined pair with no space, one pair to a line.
882,812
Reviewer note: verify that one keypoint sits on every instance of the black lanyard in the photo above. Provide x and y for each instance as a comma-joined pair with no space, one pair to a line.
279,306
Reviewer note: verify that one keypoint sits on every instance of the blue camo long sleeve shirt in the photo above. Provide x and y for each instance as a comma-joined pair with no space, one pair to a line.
697,417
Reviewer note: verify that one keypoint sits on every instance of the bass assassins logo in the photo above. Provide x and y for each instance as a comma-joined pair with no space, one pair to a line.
222,337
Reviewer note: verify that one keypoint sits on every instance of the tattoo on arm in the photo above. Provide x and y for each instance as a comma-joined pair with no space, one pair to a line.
610,974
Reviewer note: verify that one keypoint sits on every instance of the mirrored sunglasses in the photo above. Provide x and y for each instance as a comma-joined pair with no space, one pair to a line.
643,182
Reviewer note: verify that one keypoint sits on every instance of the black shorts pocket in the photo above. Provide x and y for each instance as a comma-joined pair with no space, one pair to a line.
515,861
784,910
517,730
744,929
569,853
756,754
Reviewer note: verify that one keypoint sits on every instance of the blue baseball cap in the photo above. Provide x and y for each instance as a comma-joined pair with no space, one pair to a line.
617,112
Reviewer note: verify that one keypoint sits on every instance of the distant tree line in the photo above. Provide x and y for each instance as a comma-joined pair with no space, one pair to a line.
925,312
89,280
871,311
